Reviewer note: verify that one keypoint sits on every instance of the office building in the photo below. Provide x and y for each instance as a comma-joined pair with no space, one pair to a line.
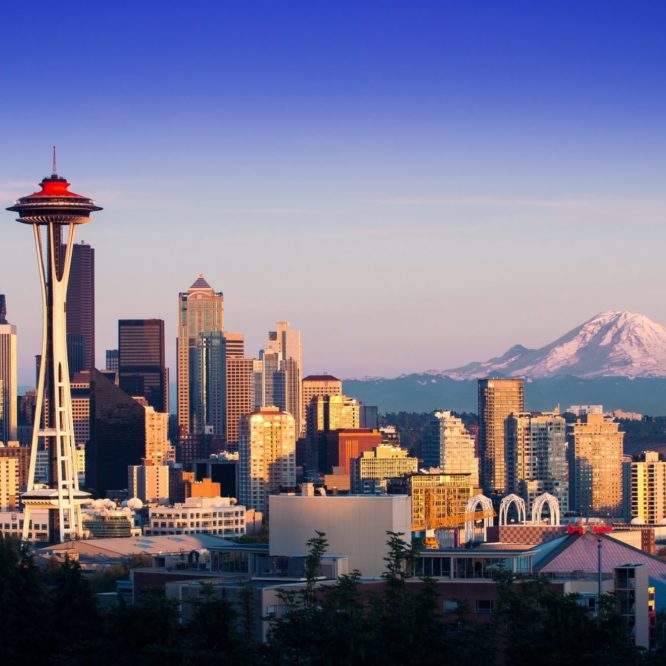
240,394
9,483
371,469
536,457
449,447
326,413
141,367
81,309
221,469
117,435
8,377
497,399
344,444
369,416
646,492
198,515
266,456
148,481
595,466
200,312
208,386
112,360
317,385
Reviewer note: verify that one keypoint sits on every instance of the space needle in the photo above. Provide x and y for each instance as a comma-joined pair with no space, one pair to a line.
54,213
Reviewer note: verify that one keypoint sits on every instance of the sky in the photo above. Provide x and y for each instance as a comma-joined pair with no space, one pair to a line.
413,185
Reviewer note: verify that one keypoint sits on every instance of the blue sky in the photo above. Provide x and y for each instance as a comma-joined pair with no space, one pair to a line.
413,185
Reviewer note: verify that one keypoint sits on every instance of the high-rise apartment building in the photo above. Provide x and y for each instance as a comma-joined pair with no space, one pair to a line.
497,399
240,393
8,377
371,469
646,494
9,483
158,447
449,447
200,312
81,309
141,366
536,457
266,456
595,466
22,456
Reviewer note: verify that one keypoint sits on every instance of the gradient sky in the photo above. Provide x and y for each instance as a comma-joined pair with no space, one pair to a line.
414,185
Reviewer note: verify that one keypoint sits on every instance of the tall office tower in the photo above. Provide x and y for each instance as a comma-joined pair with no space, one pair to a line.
111,360
646,494
536,457
81,309
117,435
497,399
595,466
141,367
208,386
371,469
56,212
320,385
240,393
266,456
8,377
369,416
449,447
284,349
200,311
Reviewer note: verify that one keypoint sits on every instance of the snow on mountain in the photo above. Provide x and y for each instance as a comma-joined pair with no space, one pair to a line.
612,344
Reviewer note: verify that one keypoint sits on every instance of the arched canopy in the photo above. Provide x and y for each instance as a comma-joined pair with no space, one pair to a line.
478,503
505,505
553,507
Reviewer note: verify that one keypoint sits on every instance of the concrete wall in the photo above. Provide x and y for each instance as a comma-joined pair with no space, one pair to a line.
355,526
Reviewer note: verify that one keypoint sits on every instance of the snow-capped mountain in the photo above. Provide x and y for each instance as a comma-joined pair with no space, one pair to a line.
612,344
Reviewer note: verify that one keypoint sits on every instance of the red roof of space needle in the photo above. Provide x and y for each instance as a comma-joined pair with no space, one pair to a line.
54,186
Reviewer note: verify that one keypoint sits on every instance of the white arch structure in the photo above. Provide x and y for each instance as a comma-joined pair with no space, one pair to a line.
486,506
553,507
505,505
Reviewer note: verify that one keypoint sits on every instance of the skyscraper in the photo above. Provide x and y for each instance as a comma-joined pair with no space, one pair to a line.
112,360
595,466
266,456
646,491
81,309
449,447
8,377
55,211
497,399
321,385
536,457
141,367
200,311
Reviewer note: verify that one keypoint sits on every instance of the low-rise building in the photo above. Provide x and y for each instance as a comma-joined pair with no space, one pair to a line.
371,469
219,516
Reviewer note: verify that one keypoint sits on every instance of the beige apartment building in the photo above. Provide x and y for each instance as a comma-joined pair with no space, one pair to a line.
595,461
266,456
240,393
497,399
647,488
158,447
9,483
200,311
149,482
370,471
450,447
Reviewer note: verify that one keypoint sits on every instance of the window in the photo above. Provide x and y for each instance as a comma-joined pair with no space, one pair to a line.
484,606
451,606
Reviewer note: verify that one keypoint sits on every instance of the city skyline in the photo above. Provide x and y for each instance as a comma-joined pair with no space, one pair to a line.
444,141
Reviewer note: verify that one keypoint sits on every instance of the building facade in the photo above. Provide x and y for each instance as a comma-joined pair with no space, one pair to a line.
8,377
497,398
595,466
141,365
646,494
317,385
536,457
200,311
371,469
267,456
148,481
449,447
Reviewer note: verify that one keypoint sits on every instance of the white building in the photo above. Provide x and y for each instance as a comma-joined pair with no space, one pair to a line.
267,456
355,526
198,515
11,524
